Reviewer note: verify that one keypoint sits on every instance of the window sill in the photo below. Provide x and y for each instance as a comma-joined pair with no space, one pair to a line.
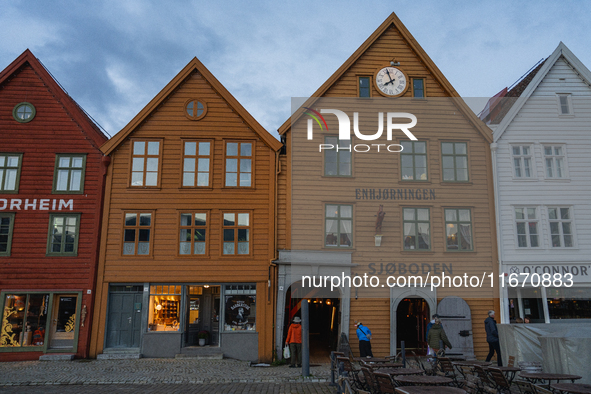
411,181
143,188
453,183
557,180
337,176
413,251
67,192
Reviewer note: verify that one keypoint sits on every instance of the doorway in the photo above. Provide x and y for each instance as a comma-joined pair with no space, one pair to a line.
63,321
412,317
202,314
124,316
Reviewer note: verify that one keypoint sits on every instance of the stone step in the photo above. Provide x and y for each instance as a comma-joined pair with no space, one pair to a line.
118,356
201,352
219,356
56,357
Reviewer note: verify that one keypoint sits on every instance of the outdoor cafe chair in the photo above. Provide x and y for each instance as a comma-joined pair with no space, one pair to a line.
385,384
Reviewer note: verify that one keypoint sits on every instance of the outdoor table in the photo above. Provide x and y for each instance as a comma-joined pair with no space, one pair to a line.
372,359
415,380
468,363
534,377
429,390
381,365
400,371
509,372
574,388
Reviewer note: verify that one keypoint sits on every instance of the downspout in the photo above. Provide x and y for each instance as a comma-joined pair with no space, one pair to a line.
272,264
503,312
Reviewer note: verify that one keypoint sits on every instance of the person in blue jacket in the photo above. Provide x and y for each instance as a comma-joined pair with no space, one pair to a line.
364,336
492,337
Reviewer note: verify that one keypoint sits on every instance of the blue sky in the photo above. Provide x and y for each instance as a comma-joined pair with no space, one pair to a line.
113,57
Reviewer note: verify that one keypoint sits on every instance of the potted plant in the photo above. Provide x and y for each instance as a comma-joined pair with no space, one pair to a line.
203,335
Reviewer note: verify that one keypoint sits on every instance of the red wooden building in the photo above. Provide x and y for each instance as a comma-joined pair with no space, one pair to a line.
51,187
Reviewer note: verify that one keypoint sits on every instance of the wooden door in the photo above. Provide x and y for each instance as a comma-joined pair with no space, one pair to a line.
63,321
124,320
456,320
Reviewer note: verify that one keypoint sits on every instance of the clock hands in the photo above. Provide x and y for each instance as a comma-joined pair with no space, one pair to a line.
392,80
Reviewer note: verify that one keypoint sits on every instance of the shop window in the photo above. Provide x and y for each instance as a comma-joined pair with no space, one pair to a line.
236,233
63,235
527,227
137,232
416,229
24,320
239,164
338,226
164,310
145,163
522,159
554,159
69,174
532,301
454,156
240,307
569,303
193,233
561,229
364,87
337,160
413,160
10,170
196,163
6,227
458,228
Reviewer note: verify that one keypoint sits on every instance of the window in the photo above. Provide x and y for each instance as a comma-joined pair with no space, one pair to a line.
337,161
6,226
137,233
10,168
418,87
196,163
68,176
416,229
63,234
24,320
338,226
522,156
455,161
413,160
458,228
240,307
23,112
192,238
239,164
561,231
164,312
565,104
554,159
195,109
364,87
569,303
145,163
527,227
236,233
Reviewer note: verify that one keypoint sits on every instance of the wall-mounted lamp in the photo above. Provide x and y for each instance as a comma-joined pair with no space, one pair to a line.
394,62
206,286
378,239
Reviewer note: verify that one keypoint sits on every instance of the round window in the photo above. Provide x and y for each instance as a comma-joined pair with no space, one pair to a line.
23,112
195,109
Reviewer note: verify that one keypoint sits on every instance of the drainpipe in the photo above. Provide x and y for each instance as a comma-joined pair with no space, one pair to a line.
503,312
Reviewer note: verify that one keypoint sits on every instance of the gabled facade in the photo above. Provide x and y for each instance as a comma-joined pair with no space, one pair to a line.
51,187
541,159
351,210
189,223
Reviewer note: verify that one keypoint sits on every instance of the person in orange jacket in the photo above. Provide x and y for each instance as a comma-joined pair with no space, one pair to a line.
294,339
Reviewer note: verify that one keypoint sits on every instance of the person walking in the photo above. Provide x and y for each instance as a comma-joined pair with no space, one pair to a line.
435,316
436,334
364,336
492,337
294,340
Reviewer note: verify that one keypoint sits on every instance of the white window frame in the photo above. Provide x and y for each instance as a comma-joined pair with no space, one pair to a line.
560,227
554,158
569,105
526,221
521,157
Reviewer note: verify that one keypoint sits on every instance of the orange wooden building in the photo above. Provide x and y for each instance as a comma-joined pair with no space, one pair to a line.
51,187
188,236
437,195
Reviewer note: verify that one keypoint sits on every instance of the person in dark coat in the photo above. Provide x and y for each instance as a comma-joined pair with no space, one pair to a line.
435,316
492,337
436,334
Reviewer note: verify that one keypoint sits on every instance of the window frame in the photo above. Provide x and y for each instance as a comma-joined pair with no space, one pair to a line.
54,215
413,154
338,219
3,172
554,158
412,84
521,157
559,220
527,220
145,156
206,227
57,169
11,216
238,157
457,223
137,227
569,105
236,227
359,86
197,157
454,155
337,175
416,222
195,116
24,104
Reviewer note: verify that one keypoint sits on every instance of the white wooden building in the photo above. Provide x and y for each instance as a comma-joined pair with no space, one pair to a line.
542,167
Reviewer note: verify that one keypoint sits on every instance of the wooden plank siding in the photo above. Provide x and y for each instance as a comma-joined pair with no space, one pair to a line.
58,127
164,120
308,190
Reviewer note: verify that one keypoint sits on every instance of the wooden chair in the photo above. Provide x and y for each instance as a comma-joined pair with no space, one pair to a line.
471,380
502,385
485,384
356,381
541,390
511,362
447,370
524,386
370,381
385,384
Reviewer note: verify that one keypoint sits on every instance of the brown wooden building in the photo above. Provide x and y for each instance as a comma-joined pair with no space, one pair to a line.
51,187
437,195
188,234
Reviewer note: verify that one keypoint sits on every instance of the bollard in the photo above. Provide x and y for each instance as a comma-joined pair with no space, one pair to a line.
305,339
333,360
403,352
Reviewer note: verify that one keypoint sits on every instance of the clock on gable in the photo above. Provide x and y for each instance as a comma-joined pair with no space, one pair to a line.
391,81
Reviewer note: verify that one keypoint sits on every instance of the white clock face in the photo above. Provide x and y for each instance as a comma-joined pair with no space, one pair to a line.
391,81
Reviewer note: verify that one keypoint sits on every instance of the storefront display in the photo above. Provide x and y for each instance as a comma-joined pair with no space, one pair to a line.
569,303
164,312
24,320
240,309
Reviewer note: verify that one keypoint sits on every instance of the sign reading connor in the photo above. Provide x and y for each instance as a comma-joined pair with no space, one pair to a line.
395,194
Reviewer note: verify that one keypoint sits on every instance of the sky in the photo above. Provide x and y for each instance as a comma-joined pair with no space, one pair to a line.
113,57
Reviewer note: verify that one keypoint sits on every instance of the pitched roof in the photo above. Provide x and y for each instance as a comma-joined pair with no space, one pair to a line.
74,110
194,64
526,91
421,54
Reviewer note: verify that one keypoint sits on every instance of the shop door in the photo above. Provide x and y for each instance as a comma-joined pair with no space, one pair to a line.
456,320
194,320
124,319
63,321
215,322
